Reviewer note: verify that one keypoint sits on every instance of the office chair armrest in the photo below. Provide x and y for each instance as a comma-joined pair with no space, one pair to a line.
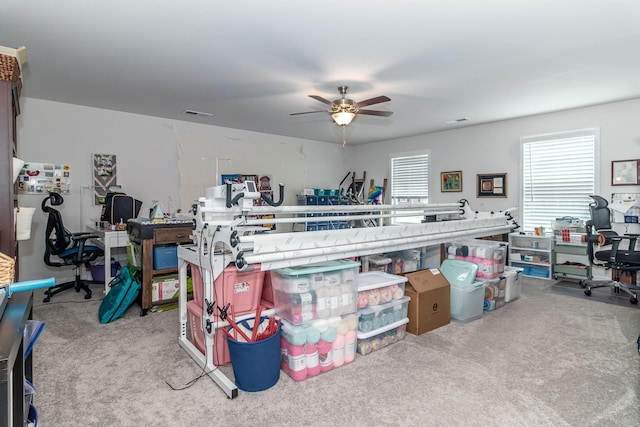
632,238
84,236
80,233
615,243
80,240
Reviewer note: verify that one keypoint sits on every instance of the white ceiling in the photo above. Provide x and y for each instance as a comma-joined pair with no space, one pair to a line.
253,62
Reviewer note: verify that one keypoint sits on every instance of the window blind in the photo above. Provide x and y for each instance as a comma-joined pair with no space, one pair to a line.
559,172
410,180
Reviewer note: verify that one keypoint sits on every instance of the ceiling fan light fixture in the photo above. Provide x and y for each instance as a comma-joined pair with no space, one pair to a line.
343,118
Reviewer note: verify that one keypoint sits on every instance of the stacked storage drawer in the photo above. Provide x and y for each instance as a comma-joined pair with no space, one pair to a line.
382,309
325,220
240,289
318,305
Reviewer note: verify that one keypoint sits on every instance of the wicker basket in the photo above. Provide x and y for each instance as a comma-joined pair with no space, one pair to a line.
7,269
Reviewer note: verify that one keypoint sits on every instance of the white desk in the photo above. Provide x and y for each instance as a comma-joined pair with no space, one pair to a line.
109,239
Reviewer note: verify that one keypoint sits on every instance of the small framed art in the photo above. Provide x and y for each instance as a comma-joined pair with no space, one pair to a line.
492,185
451,181
625,172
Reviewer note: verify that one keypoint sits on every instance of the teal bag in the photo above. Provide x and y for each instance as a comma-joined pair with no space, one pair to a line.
125,288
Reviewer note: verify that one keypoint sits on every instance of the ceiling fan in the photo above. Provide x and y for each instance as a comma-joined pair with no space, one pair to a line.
344,110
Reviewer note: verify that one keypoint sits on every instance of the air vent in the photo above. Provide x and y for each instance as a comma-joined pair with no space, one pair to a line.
460,120
196,113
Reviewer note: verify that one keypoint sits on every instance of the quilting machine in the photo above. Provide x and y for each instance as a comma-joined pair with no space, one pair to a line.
229,228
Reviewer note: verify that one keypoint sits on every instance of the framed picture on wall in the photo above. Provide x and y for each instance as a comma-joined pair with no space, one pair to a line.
450,181
625,172
104,176
492,185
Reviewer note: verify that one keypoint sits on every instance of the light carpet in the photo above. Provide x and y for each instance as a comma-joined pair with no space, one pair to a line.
542,360
605,294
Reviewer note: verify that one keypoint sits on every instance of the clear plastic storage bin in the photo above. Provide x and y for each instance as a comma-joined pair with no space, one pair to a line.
383,337
316,291
376,287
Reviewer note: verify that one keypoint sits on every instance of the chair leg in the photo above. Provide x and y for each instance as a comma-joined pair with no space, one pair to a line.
77,284
617,287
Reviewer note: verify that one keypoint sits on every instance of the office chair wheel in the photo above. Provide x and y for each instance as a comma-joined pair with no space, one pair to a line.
583,283
588,292
47,299
634,300
87,295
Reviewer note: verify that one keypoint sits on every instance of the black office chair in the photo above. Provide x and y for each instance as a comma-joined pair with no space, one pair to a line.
68,248
620,260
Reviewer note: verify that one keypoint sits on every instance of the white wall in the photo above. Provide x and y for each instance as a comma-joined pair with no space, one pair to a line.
147,154
495,148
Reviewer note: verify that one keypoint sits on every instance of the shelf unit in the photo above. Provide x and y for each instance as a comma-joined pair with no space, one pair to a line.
531,253
326,220
9,110
148,235
571,261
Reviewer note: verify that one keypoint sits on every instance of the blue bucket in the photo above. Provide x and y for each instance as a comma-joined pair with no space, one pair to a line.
256,365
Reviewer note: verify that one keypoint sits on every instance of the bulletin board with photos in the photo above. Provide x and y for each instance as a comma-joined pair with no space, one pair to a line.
43,178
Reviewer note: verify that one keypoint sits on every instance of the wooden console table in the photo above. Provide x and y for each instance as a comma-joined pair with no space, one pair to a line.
149,234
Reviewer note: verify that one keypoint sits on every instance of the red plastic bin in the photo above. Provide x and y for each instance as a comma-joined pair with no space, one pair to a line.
242,289
221,355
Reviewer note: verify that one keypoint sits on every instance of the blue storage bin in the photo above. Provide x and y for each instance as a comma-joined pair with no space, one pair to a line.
165,257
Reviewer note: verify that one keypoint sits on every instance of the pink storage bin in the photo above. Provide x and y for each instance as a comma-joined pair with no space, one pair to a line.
267,291
221,355
242,289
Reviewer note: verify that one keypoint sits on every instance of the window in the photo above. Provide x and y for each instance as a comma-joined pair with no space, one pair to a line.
410,180
559,172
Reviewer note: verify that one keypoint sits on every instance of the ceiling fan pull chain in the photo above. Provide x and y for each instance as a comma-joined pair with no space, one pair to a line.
344,136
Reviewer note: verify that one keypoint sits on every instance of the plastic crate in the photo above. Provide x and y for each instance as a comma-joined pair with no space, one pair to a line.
220,349
379,338
241,289
318,346
316,291
165,257
382,315
376,287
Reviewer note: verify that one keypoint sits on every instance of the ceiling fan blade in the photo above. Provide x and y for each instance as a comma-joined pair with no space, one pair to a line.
371,101
375,113
307,112
321,99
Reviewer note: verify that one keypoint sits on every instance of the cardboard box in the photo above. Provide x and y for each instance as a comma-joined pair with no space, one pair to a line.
430,304
165,288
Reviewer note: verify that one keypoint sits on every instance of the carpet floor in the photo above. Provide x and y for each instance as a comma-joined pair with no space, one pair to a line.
544,359
605,294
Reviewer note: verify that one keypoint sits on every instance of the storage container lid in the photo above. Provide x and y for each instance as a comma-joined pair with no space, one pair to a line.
379,260
380,307
459,272
378,279
320,267
365,335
